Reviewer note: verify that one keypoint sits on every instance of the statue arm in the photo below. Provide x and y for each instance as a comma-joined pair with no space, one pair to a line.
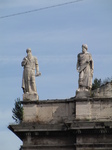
91,65
37,68
77,66
24,62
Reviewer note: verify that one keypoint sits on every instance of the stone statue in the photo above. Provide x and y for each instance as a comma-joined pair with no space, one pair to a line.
30,65
85,69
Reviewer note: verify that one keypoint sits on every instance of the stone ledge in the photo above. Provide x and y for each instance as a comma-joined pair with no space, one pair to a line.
94,145
74,99
49,101
91,125
36,127
38,146
50,147
79,128
92,99
61,127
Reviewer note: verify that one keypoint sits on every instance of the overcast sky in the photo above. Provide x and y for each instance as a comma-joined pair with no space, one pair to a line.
55,36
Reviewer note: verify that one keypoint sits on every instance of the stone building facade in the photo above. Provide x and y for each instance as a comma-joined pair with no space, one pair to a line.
68,124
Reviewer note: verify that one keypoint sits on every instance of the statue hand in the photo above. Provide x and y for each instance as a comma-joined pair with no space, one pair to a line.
24,62
38,74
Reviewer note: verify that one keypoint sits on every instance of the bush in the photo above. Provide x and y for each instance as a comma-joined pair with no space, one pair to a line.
17,111
97,83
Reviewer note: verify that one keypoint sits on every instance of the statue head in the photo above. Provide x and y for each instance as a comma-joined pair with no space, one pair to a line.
28,51
84,48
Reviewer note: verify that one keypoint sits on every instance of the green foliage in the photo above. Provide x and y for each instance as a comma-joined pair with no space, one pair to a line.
17,111
96,84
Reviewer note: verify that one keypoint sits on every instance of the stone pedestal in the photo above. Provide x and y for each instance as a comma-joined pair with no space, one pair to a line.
49,111
94,109
83,94
30,97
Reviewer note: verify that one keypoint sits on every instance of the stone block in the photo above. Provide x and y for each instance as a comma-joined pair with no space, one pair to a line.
30,97
83,110
30,113
48,111
83,94
94,109
44,113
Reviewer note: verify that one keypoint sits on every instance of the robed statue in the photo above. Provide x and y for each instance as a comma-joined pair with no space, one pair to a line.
31,70
85,69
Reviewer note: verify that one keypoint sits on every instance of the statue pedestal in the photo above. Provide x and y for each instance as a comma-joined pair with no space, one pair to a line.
48,111
83,94
30,97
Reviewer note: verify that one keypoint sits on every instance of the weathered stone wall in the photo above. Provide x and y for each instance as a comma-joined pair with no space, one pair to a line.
55,111
57,142
94,142
70,124
59,111
105,91
94,109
